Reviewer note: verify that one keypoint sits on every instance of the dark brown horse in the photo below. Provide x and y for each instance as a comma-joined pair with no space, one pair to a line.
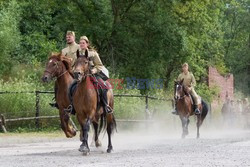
85,102
186,109
59,67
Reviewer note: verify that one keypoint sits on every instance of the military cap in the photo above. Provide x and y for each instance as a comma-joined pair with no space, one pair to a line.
84,38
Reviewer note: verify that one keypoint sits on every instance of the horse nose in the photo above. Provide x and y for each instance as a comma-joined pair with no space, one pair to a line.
76,74
45,79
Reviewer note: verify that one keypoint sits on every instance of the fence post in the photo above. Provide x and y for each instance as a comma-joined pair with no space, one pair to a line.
37,108
2,123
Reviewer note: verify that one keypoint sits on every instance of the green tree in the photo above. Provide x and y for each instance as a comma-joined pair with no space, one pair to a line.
9,33
237,42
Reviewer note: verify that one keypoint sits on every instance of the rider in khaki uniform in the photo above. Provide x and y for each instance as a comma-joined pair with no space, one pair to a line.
189,83
72,47
97,69
69,51
95,62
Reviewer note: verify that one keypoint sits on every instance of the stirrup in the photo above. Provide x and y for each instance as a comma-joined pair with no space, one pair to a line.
197,111
69,109
109,109
175,112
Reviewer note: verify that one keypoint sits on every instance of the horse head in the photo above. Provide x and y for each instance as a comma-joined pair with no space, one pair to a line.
179,89
56,66
81,66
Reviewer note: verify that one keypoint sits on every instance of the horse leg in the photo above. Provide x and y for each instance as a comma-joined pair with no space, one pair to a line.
184,122
201,117
84,146
111,124
96,135
187,126
198,124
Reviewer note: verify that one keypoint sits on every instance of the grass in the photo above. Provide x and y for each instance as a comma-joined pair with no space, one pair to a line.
28,133
24,105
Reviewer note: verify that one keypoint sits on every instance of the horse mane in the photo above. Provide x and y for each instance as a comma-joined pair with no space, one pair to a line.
65,60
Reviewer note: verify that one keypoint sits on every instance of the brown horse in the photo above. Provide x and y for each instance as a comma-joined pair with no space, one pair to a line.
186,109
59,67
85,102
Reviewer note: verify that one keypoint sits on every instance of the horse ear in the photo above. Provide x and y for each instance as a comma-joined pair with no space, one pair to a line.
86,53
77,53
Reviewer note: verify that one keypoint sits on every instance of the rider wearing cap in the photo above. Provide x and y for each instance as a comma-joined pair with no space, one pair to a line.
189,84
70,52
97,69
72,47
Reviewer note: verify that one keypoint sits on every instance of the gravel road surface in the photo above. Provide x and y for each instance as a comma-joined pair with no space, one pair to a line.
137,148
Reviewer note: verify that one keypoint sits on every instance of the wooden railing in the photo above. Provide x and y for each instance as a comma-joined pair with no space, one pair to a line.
37,116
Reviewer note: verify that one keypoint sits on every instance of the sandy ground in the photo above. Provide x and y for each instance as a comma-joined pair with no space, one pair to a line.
131,148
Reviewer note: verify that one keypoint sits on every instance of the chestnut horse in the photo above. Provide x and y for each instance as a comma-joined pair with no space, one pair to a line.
186,109
59,67
85,102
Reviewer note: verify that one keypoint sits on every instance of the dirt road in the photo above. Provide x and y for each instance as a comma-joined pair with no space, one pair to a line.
130,149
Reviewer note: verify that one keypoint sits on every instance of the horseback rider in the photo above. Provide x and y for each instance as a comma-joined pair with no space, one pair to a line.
72,47
189,84
70,52
99,72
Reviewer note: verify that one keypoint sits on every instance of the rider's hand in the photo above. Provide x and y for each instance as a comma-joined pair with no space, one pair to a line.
188,89
94,71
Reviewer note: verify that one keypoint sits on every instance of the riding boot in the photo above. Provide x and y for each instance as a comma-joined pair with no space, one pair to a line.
175,111
70,109
196,110
54,104
107,108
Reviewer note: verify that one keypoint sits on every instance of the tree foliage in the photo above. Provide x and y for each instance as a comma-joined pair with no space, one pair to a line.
135,38
9,33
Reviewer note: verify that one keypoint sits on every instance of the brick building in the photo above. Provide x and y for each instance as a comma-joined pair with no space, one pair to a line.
225,85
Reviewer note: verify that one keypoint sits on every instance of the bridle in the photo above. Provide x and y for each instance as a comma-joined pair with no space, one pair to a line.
181,97
85,73
53,73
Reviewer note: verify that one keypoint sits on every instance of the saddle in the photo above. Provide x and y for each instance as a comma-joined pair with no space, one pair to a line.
192,100
100,87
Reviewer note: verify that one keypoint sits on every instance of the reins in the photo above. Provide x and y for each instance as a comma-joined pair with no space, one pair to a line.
62,74
53,74
182,97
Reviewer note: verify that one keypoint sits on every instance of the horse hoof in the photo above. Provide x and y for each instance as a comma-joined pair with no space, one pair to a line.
110,149
92,144
85,153
98,144
83,149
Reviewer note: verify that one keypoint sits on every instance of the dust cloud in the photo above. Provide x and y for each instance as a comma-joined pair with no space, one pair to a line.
163,124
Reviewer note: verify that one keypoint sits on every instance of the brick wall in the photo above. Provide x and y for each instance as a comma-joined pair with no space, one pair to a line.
225,85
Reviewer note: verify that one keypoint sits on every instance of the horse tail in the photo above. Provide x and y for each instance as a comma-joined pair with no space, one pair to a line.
114,125
104,122
204,110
